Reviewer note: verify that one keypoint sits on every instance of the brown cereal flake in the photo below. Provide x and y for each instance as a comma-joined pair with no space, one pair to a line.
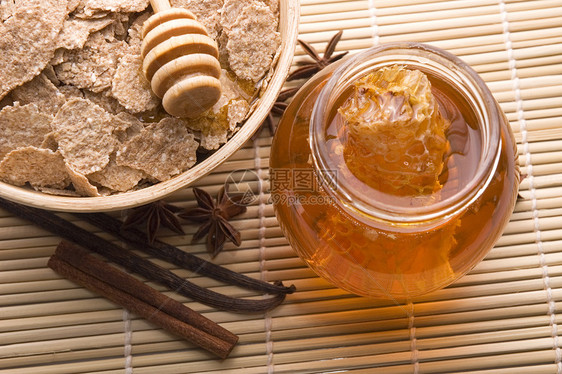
252,41
104,100
50,142
80,12
135,33
124,6
131,88
21,126
58,191
129,126
93,66
222,41
37,166
229,91
274,6
81,184
75,31
117,177
84,132
206,11
230,12
71,92
215,126
28,41
237,111
72,5
7,8
212,129
42,92
117,30
161,150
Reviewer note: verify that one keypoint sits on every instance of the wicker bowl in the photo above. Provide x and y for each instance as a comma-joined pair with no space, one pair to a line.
288,27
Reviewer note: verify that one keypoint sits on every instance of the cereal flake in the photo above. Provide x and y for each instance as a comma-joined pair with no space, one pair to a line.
135,33
75,31
28,41
117,177
252,39
84,132
42,92
21,126
37,166
206,11
91,7
131,88
81,184
162,149
93,66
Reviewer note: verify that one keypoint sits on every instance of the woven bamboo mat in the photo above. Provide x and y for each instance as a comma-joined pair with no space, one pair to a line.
502,317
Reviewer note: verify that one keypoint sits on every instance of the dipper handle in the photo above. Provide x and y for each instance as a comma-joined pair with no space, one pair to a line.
180,60
160,5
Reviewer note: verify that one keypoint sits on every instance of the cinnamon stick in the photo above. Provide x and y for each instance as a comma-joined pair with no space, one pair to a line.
194,333
83,261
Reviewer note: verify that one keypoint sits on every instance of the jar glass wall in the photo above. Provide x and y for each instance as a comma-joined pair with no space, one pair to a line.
385,246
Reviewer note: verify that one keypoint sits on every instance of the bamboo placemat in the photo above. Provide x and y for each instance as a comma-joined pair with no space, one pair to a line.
501,318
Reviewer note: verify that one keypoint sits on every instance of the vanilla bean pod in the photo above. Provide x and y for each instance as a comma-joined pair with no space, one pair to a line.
180,258
134,263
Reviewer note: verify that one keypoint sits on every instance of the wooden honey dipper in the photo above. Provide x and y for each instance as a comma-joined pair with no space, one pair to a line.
180,60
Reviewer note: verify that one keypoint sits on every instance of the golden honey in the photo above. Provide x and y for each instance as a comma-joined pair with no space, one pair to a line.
372,241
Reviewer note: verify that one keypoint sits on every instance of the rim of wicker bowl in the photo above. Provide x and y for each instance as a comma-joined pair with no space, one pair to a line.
288,27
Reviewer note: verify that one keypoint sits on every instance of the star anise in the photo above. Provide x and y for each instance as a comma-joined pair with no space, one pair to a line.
152,216
308,68
277,110
214,216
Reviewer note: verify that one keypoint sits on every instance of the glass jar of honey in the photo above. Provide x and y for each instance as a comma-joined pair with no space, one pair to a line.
393,172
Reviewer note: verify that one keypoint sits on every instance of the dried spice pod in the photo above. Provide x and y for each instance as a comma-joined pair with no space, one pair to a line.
180,61
308,68
152,216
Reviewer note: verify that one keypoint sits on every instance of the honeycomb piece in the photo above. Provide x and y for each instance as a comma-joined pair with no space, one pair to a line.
395,133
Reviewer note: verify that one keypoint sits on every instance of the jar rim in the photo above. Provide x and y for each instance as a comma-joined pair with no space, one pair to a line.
461,77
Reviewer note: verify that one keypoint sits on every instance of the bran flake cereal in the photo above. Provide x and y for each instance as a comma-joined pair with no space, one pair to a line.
206,11
73,102
75,31
21,126
41,92
216,125
237,110
252,39
161,150
135,33
104,100
71,92
93,66
117,177
81,184
125,6
131,88
28,41
37,166
7,8
84,132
